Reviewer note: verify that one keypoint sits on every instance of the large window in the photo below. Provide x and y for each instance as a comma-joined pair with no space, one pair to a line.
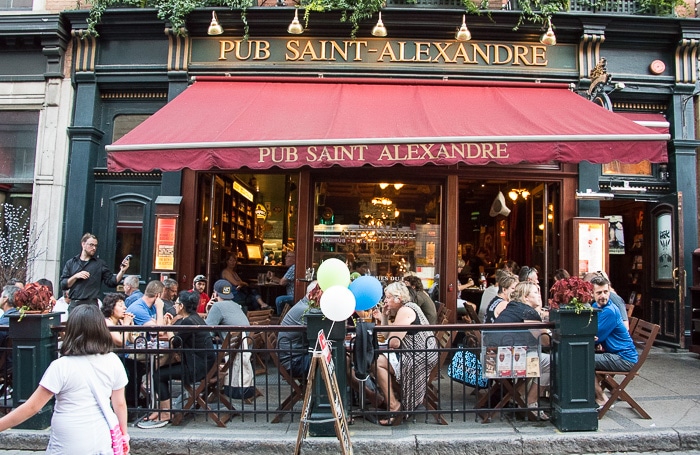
391,228
18,136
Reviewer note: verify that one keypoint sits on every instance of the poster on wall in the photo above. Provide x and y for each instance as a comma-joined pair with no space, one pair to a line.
591,242
664,248
616,241
164,254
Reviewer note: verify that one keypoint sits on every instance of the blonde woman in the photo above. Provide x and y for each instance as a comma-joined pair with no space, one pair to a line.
410,368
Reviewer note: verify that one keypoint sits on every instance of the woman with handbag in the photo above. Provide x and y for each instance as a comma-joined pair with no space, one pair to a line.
83,380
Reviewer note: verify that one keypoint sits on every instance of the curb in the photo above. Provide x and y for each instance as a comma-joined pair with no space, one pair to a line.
558,443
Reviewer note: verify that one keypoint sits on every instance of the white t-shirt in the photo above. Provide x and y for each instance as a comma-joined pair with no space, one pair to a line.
78,425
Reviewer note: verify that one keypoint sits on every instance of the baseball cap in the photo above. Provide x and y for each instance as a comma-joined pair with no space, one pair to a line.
199,278
224,289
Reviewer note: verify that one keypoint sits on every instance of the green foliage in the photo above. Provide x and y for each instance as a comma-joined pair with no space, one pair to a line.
173,11
355,11
658,7
537,11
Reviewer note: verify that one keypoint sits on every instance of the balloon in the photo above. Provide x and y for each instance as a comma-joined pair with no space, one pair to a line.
333,272
367,291
337,303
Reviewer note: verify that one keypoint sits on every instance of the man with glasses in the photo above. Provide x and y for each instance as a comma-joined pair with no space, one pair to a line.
83,274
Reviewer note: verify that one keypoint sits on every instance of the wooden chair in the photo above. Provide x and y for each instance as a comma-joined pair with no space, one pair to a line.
472,337
259,317
633,324
643,336
209,389
442,311
471,312
298,385
432,394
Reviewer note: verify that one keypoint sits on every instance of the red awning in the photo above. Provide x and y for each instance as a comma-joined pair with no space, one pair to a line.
656,122
229,123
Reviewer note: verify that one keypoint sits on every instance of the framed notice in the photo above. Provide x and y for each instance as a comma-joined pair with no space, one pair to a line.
590,245
164,245
617,235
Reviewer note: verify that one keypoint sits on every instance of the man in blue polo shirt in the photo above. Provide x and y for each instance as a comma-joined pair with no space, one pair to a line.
148,310
619,352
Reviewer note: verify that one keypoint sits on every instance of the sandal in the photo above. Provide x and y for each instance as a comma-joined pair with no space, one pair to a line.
535,414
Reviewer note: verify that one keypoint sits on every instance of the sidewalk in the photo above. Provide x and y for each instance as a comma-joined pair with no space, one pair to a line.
668,388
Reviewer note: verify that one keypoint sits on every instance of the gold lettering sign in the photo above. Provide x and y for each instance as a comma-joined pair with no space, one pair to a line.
373,51
424,153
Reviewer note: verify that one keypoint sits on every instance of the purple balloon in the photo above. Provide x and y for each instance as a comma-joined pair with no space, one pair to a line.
368,292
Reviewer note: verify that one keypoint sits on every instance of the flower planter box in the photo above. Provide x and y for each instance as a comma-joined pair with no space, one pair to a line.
573,375
33,349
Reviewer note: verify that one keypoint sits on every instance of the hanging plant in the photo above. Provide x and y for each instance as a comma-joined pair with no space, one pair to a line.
173,11
538,11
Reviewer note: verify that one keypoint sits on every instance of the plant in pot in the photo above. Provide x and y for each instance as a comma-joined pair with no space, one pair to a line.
33,299
572,293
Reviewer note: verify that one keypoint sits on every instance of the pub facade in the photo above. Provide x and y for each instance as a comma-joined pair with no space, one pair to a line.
402,153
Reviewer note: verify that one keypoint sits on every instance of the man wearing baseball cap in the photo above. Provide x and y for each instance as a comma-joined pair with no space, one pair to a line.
225,311
199,284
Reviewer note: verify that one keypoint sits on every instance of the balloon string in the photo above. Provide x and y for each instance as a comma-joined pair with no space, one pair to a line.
330,330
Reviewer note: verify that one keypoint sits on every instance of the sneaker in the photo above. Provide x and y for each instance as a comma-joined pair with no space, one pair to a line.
149,424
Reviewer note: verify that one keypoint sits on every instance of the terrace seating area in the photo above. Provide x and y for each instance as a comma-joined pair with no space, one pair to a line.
276,396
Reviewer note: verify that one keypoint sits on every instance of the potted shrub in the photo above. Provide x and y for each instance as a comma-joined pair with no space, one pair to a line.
573,343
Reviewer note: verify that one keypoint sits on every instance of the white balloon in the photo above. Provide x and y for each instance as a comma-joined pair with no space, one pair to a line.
337,303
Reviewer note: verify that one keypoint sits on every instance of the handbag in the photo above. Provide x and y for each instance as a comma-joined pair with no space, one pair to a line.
466,368
242,375
120,444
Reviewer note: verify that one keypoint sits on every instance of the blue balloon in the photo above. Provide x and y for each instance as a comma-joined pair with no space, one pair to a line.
368,292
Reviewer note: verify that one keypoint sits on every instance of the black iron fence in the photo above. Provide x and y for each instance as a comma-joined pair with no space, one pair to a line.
246,373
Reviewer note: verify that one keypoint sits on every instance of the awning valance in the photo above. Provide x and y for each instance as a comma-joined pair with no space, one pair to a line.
229,123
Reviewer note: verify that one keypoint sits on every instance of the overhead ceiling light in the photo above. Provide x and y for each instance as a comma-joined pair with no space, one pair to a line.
627,189
214,27
295,28
379,29
591,195
463,33
549,38
515,192
383,185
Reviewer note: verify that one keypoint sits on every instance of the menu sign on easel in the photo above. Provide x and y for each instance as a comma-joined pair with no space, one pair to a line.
322,360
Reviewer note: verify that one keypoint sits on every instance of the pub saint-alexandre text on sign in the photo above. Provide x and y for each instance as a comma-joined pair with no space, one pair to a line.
386,154
236,52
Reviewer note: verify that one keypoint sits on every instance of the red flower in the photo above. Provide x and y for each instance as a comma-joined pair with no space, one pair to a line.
571,292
